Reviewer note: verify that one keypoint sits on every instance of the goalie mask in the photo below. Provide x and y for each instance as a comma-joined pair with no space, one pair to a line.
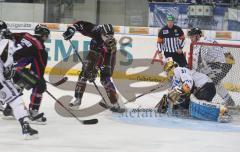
169,67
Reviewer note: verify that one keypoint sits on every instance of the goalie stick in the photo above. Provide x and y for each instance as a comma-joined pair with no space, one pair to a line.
85,122
104,105
145,93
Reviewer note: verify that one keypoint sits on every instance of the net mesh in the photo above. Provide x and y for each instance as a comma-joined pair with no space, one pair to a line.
228,75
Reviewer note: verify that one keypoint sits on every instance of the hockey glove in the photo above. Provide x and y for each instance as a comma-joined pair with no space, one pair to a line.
68,34
229,58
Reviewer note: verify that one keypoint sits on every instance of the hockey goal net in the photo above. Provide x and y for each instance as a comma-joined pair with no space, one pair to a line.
231,81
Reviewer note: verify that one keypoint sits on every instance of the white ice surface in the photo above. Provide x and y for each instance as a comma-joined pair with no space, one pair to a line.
114,133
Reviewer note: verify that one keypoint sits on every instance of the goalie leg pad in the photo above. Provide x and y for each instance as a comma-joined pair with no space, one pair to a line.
162,106
203,110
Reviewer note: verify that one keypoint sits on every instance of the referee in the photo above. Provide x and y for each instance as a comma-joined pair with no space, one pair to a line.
171,41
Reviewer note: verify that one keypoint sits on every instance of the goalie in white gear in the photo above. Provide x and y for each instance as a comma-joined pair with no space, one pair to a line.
215,62
8,92
191,91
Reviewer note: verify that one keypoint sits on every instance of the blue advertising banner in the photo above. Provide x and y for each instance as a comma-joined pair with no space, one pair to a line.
159,11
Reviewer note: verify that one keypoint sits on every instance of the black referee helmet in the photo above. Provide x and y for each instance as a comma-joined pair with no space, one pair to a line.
195,31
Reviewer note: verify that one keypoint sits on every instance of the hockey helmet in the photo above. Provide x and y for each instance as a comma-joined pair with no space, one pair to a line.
107,29
169,67
42,30
195,31
3,25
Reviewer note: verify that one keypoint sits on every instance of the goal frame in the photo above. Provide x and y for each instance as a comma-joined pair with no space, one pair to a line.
207,44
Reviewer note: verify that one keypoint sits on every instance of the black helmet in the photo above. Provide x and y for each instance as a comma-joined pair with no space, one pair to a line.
195,31
107,29
3,25
41,30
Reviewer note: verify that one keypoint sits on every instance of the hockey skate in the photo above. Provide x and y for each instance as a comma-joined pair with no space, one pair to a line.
37,118
27,131
75,104
117,108
224,116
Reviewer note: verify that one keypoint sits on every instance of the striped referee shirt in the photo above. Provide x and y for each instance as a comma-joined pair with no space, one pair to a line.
170,40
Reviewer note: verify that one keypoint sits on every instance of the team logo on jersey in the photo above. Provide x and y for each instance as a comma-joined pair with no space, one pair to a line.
175,31
165,31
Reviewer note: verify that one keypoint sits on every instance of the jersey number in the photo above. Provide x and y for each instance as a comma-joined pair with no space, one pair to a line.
184,71
26,42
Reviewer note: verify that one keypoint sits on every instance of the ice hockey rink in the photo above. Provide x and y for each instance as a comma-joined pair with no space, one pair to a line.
119,133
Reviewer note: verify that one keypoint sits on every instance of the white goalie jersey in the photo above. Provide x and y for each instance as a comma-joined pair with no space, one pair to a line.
192,78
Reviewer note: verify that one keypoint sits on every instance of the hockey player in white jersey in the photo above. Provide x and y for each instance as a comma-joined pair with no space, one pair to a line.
8,93
215,62
191,91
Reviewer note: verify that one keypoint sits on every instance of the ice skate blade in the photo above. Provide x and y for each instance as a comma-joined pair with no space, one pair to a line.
30,137
37,122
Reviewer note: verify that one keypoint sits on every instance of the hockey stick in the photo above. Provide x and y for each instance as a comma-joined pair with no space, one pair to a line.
63,80
145,93
85,122
104,105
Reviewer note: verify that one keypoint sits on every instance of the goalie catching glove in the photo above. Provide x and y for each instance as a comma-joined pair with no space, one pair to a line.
174,97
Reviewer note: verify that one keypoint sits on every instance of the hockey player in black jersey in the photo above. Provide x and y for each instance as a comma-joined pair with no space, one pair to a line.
102,50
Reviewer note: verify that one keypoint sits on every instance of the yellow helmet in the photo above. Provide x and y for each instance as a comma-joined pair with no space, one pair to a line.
169,67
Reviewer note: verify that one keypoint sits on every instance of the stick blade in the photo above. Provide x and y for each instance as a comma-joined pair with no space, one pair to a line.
90,122
61,81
